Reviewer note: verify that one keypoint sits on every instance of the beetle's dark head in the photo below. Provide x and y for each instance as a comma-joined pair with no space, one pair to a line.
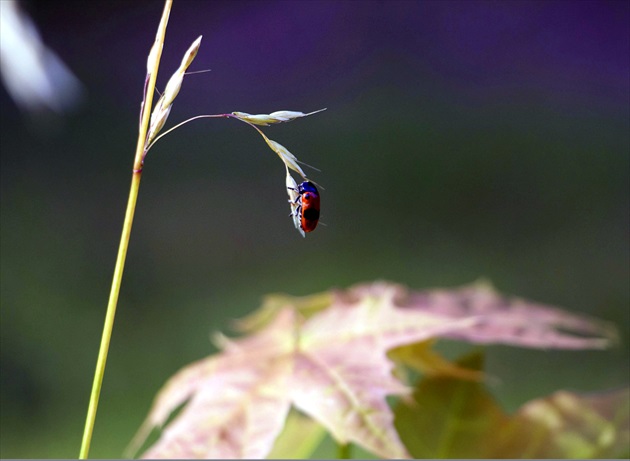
307,186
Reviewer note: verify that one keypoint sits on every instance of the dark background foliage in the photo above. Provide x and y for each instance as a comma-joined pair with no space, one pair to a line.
462,140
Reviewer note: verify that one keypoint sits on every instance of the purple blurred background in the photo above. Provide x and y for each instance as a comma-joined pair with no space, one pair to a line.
463,139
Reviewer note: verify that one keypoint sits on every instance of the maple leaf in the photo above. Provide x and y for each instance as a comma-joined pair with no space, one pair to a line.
331,363
453,418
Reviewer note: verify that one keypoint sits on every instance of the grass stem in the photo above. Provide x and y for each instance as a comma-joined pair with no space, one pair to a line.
126,233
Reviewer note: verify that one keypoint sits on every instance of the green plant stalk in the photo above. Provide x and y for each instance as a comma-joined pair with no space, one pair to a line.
126,233
109,317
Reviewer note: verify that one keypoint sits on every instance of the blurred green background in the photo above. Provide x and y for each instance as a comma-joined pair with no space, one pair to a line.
462,140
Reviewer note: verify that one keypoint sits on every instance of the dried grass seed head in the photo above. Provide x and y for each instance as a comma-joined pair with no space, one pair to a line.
164,104
289,160
294,195
274,117
175,82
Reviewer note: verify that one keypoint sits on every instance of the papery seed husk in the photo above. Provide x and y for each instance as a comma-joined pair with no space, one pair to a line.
156,125
274,117
259,119
173,86
292,191
287,157
288,115
191,53
152,57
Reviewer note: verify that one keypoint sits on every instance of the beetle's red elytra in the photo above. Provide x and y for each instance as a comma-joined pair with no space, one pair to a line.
308,206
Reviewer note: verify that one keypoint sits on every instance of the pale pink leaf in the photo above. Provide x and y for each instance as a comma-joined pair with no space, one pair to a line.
332,364
238,400
498,319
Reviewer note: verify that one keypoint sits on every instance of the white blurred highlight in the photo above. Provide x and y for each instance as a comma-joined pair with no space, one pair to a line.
33,75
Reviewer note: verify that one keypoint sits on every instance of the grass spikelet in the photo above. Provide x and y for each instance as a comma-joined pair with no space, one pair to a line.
164,104
292,191
275,117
